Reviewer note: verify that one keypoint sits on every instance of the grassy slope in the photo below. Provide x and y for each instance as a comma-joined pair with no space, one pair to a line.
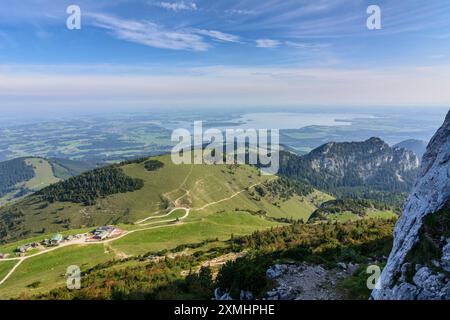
43,177
46,172
49,269
220,226
197,187
5,266
204,184
298,208
11,247
217,195
43,174
65,168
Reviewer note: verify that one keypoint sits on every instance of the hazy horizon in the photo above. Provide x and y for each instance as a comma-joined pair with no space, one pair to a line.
198,53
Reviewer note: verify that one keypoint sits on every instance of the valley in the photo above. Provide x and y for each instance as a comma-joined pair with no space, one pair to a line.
113,137
192,215
197,213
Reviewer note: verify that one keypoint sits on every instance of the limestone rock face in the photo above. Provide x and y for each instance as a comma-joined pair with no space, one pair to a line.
304,282
445,261
430,194
367,160
340,166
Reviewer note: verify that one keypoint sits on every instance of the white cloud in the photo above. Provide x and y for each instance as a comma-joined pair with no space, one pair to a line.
267,43
150,34
157,36
241,12
178,6
221,36
307,46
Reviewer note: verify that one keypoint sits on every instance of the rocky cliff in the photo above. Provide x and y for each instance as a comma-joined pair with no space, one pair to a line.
417,146
364,161
419,264
357,169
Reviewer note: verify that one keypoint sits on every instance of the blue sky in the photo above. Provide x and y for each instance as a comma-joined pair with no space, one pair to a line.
148,53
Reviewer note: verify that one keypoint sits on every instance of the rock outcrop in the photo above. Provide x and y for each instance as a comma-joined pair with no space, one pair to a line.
419,147
416,239
364,159
307,281
342,166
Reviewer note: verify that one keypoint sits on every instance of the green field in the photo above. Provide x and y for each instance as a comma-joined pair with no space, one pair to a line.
297,208
43,174
5,267
220,226
48,271
11,247
49,268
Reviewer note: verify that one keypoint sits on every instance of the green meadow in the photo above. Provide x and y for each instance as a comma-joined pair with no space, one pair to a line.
47,271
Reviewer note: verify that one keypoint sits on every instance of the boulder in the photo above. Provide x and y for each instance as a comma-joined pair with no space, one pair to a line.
428,281
405,291
445,260
246,295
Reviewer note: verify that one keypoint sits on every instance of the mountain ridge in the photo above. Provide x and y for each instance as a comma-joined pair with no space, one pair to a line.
20,177
368,169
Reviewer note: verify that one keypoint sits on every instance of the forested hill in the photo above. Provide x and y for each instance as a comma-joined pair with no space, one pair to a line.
90,186
148,190
369,169
13,172
22,176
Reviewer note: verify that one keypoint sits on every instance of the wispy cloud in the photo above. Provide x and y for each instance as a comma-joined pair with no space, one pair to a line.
268,43
178,6
307,46
241,12
218,35
150,34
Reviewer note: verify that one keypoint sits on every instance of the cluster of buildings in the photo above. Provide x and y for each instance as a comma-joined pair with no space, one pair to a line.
55,240
105,232
27,247
99,234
